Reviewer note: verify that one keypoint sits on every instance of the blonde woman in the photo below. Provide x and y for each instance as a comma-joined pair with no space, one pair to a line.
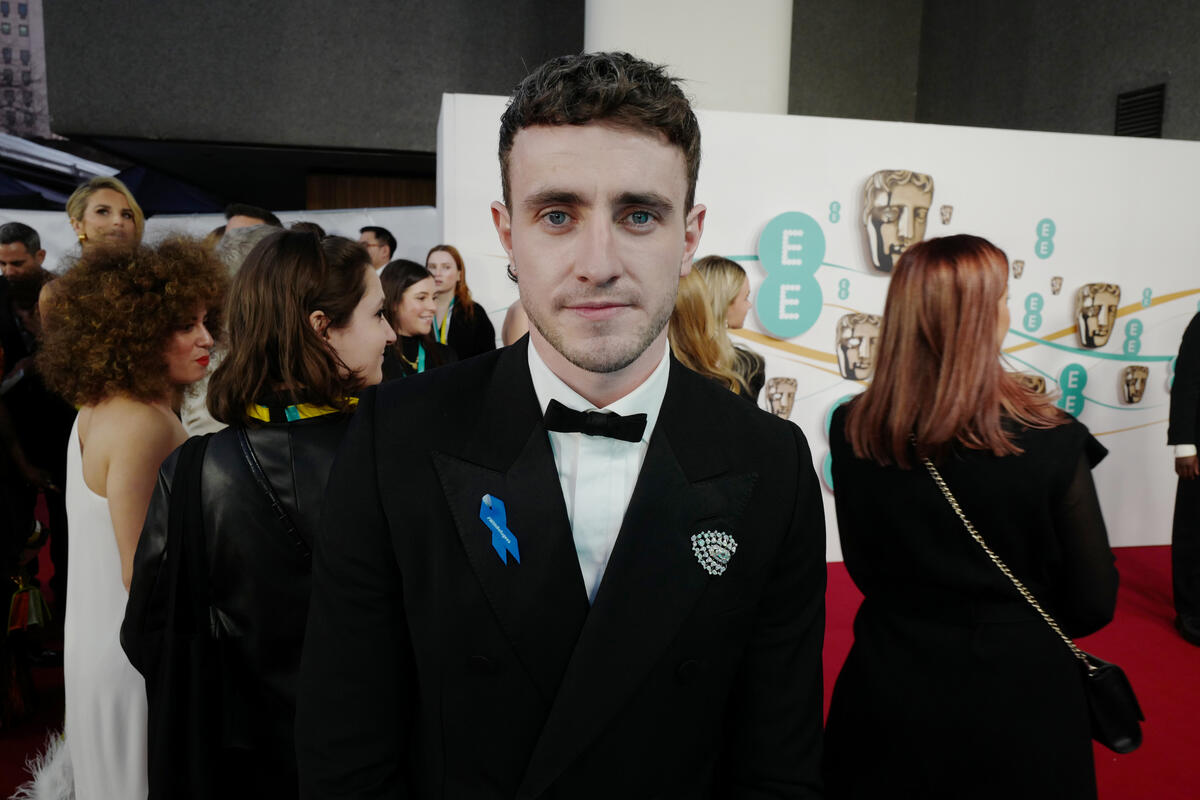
103,211
729,300
693,334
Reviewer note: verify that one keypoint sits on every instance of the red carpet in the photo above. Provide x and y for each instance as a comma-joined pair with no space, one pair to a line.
1164,670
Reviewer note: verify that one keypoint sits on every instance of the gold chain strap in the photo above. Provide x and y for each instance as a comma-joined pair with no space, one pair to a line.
937,478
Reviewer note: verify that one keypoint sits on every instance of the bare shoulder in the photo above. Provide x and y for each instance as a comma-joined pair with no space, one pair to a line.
121,430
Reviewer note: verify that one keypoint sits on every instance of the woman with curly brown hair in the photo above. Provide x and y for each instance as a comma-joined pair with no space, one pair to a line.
307,333
129,328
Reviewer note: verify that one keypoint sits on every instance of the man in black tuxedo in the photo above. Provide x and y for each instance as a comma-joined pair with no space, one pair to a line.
572,568
1184,433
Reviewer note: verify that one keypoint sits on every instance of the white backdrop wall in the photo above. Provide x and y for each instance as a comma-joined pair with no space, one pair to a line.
416,229
1113,205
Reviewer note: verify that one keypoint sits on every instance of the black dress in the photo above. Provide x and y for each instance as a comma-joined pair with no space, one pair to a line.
412,348
469,334
954,686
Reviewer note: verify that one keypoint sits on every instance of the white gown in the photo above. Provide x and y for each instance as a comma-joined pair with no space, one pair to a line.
105,696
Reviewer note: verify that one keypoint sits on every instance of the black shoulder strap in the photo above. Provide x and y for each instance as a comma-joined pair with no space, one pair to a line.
185,539
281,514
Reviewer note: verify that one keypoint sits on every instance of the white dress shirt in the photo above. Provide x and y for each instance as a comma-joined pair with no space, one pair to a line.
597,473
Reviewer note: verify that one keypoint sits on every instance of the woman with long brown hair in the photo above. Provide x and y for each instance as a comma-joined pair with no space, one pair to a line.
307,332
460,323
954,685
409,305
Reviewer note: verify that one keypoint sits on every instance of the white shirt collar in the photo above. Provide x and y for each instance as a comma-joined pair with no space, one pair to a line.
646,399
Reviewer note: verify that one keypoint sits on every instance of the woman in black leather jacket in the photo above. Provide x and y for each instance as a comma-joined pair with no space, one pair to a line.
220,647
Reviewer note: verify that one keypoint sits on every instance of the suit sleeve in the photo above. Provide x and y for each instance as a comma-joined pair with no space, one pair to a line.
356,670
775,724
1185,390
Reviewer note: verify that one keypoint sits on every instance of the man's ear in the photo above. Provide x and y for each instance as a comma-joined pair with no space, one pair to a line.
503,223
39,257
319,322
693,226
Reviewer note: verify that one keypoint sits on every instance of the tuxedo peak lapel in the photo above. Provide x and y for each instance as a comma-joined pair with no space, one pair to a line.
539,600
650,586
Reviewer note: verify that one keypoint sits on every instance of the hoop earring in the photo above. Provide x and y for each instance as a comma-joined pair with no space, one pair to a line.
512,273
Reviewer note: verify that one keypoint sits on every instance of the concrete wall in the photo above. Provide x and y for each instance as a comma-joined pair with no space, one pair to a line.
353,73
1057,66
369,74
855,58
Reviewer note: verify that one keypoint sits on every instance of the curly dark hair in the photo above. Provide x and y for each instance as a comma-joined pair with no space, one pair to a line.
110,317
603,87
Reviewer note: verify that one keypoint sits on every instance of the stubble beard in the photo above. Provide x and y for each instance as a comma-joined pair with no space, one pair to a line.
607,351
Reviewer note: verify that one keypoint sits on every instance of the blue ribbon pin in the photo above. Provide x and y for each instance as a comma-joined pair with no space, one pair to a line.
493,515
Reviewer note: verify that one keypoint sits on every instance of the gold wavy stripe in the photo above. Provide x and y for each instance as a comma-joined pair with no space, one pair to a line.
1131,428
1129,309
787,347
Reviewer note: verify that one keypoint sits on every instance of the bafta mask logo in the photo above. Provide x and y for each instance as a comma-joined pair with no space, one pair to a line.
1055,284
857,337
781,393
1018,269
1133,383
947,213
1096,312
895,208
1034,383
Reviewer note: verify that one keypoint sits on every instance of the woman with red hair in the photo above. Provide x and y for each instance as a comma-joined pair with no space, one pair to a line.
955,686
460,323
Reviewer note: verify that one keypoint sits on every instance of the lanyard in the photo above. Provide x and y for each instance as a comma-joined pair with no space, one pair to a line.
295,412
444,328
419,364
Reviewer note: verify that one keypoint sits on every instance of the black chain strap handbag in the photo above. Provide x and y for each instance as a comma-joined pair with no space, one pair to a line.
1115,714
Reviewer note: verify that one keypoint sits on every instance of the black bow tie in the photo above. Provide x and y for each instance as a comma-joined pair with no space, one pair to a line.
595,423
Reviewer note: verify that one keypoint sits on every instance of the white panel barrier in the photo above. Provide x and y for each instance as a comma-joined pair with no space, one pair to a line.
785,198
416,229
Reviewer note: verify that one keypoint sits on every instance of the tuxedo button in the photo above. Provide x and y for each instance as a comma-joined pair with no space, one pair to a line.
686,672
482,665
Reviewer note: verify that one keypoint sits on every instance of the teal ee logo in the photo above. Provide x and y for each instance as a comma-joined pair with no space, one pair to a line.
1147,298
1044,247
1033,312
790,248
1133,337
1071,381
835,211
844,289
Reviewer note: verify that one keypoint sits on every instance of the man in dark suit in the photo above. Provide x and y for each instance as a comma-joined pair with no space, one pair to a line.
572,568
1184,433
